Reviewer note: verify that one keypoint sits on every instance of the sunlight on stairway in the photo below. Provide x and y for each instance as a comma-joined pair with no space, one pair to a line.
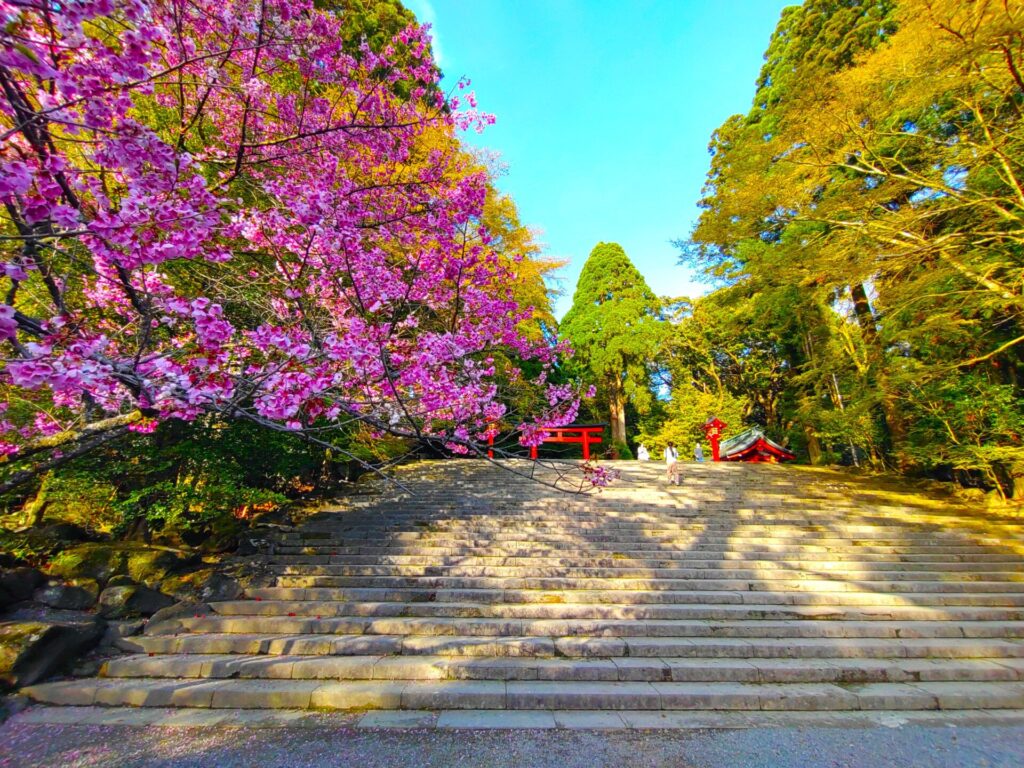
746,588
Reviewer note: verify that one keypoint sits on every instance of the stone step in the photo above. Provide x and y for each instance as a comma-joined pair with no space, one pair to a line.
794,501
679,548
719,515
852,520
667,537
696,534
325,609
636,584
571,646
492,524
384,554
663,557
830,597
727,520
715,516
771,572
227,666
644,558
502,627
527,695
446,720
748,588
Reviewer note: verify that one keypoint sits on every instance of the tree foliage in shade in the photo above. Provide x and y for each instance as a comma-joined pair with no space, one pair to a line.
871,201
615,328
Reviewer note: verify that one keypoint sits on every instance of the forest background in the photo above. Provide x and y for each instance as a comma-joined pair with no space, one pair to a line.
862,233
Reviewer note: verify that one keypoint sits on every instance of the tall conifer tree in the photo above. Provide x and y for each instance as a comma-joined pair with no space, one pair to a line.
615,328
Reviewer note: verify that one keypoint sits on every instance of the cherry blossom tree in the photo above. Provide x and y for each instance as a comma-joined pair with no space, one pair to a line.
212,207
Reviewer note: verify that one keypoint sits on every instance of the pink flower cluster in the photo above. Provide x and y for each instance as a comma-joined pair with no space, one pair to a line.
221,209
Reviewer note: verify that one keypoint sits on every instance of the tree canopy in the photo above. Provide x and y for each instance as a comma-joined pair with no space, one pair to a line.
614,328
257,212
870,205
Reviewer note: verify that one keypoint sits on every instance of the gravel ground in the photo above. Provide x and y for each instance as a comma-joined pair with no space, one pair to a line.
76,746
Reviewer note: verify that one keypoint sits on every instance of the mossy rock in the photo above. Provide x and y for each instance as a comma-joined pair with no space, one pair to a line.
90,561
14,638
78,596
125,602
101,561
185,586
151,566
18,584
32,650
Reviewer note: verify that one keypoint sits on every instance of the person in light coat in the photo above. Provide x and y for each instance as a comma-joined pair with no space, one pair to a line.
672,463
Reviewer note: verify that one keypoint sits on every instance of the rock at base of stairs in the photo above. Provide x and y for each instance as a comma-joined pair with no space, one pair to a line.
123,602
79,595
32,650
18,584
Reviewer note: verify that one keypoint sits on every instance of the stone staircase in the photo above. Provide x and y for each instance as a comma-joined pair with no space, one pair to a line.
746,588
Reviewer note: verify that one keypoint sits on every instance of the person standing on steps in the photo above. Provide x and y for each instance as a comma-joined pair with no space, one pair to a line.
698,452
672,463
642,454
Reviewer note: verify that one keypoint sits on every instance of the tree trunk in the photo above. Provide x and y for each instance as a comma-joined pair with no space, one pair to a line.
897,427
813,445
893,420
617,406
862,309
35,510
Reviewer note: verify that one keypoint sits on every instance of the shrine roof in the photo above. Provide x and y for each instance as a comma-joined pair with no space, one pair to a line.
749,439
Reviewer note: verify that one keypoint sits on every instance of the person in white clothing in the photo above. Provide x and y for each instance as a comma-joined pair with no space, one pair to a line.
672,463
642,453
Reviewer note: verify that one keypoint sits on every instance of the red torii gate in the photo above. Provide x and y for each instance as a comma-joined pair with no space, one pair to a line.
586,434
574,433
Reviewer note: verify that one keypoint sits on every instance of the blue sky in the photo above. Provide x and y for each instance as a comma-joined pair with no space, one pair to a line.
604,112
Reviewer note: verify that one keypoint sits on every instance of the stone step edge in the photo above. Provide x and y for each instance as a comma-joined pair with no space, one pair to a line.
653,547
652,536
854,540
682,555
575,646
327,608
780,572
637,584
715,566
627,556
683,597
536,695
750,629
726,522
386,719
613,669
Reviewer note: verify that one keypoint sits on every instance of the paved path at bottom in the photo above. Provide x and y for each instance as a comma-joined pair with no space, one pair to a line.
38,738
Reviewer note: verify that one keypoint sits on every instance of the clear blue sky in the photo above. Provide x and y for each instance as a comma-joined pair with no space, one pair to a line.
604,112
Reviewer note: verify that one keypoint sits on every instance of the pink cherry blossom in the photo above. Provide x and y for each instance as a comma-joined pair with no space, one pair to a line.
298,256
